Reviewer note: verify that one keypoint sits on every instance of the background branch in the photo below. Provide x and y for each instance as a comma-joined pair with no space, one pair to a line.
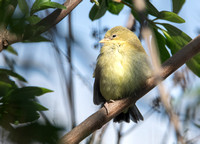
98,119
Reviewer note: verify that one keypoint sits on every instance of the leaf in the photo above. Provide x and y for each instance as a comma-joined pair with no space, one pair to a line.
45,4
33,19
39,107
177,35
12,50
170,16
26,93
177,5
13,74
194,65
151,9
160,40
23,6
17,25
39,132
23,111
5,78
177,39
114,7
98,11
4,88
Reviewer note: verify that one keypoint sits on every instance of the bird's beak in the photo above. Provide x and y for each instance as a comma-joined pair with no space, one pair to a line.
104,40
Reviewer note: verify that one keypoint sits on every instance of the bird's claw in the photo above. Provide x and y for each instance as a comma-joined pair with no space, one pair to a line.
106,105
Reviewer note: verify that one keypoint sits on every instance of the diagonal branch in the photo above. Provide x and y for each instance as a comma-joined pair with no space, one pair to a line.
55,17
8,38
98,119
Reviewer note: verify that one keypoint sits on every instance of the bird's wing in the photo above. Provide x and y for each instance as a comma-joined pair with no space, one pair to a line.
97,96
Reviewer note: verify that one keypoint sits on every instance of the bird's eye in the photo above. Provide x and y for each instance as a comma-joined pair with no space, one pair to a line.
114,36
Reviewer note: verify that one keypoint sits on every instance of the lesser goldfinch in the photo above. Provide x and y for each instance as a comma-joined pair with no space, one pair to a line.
122,66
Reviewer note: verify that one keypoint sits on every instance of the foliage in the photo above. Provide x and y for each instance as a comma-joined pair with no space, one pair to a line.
169,38
24,23
18,105
36,132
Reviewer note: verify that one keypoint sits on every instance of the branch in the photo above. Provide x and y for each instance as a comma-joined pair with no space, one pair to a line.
164,96
98,119
55,17
8,38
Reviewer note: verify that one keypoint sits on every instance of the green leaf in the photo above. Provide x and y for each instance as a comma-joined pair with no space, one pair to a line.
39,132
177,39
45,4
23,111
177,5
33,19
17,25
151,9
194,65
170,16
5,78
39,107
23,6
114,7
98,11
160,40
26,93
4,88
13,74
12,50
177,35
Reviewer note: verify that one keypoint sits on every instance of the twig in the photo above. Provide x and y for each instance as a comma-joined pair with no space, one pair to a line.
92,138
119,133
166,134
163,93
192,141
98,119
103,130
70,73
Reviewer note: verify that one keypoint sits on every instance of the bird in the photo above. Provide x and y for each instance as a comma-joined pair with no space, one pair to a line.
122,67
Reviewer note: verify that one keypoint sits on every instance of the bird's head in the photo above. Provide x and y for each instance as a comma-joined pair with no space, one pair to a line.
118,34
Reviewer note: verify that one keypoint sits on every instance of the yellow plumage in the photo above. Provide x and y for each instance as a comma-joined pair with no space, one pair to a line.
121,68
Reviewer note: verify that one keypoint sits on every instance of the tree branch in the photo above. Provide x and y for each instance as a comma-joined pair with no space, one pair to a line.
98,119
55,17
8,38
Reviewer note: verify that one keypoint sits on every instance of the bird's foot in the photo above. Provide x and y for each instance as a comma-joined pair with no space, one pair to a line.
106,105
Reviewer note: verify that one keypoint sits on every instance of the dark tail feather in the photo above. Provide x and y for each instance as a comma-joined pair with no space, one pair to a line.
133,113
122,117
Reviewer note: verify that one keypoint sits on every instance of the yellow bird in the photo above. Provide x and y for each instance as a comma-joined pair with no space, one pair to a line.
122,66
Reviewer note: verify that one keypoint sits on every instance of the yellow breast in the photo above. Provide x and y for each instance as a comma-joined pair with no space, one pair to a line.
122,70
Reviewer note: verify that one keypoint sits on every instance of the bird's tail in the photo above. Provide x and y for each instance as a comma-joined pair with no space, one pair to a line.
133,113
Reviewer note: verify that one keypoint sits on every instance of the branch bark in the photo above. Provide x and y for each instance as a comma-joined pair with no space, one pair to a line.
98,119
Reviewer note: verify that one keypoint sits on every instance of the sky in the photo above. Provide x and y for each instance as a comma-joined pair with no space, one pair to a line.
152,129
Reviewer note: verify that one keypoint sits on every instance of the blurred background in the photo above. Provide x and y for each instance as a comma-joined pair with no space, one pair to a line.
66,64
